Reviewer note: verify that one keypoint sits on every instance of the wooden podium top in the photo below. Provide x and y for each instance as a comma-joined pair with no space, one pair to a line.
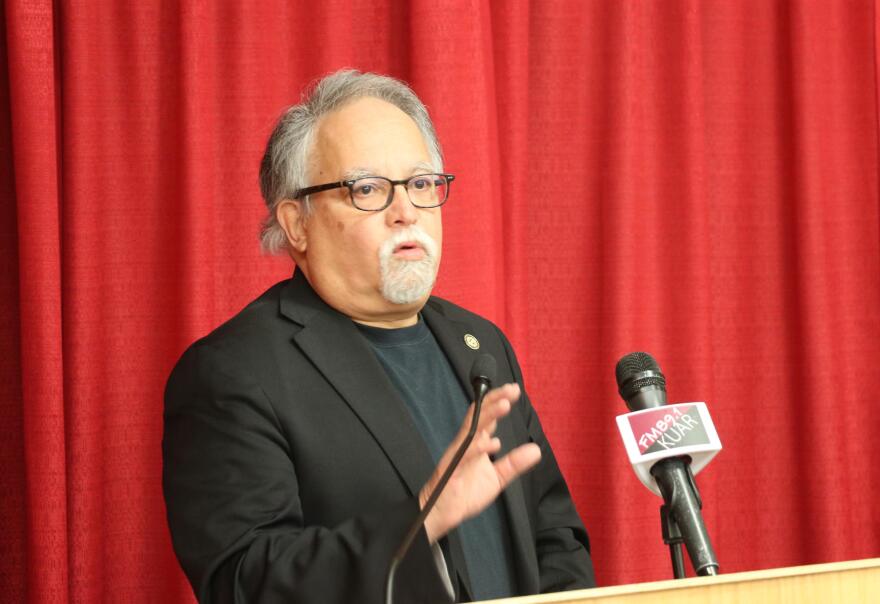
851,582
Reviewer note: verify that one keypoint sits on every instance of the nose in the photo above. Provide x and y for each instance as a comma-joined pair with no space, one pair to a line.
401,211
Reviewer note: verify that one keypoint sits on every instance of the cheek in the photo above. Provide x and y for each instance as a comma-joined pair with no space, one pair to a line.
365,242
435,229
352,241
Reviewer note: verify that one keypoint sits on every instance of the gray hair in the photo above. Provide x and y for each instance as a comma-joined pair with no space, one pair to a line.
284,168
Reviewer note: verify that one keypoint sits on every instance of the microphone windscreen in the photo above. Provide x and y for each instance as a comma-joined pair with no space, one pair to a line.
484,368
636,371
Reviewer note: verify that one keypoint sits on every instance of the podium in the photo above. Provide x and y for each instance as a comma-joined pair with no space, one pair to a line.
852,582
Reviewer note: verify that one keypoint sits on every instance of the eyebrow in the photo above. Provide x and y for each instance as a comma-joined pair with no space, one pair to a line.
357,173
353,173
423,166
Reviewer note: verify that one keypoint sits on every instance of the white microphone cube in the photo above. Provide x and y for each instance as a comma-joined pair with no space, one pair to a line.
683,429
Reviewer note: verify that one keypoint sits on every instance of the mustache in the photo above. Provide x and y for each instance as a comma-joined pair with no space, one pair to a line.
412,233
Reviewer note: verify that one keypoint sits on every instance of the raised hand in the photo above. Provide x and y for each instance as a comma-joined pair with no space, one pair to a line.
478,480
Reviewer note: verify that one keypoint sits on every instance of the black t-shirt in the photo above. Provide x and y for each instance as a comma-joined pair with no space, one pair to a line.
438,402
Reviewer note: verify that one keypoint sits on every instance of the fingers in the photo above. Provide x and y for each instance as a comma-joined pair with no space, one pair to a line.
484,444
508,392
517,462
477,480
496,404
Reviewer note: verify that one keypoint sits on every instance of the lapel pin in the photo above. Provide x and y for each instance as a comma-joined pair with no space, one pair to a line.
471,341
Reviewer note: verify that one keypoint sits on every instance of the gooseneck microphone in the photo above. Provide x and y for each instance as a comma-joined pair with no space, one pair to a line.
643,386
481,377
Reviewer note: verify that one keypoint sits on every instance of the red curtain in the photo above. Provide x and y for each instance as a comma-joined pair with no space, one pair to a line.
697,179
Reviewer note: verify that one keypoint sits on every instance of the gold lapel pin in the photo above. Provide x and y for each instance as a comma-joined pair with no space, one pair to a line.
471,341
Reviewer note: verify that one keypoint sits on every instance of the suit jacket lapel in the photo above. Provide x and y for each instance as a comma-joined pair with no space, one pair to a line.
346,360
450,335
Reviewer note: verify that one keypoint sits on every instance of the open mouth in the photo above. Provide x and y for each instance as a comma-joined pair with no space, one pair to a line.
409,249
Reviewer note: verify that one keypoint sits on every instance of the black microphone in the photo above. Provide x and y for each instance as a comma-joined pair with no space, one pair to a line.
482,375
640,382
481,378
643,386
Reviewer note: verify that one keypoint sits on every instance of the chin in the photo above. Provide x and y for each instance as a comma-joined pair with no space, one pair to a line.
408,283
407,296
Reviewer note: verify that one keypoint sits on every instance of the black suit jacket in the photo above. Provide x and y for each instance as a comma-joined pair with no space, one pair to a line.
292,466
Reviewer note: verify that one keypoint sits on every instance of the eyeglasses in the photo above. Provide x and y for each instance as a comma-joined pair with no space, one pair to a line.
375,193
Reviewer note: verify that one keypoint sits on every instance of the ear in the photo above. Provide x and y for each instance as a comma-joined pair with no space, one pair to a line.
291,216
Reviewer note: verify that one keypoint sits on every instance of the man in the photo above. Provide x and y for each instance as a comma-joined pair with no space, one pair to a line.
303,436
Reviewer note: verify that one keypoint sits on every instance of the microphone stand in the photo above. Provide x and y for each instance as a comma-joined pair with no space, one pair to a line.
672,537
677,488
435,494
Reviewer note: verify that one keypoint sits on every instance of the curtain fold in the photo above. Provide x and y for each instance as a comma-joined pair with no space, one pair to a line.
697,179
34,98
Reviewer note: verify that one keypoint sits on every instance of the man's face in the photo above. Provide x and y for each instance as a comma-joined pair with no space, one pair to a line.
372,266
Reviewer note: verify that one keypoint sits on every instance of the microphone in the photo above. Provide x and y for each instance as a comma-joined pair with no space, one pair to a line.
640,381
662,442
481,377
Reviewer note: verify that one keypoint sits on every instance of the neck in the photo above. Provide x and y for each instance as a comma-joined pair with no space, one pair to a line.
394,323
399,316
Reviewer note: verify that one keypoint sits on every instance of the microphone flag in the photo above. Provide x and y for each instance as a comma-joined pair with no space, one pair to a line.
683,429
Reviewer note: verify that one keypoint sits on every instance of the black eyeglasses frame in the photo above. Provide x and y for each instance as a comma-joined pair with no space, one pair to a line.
350,185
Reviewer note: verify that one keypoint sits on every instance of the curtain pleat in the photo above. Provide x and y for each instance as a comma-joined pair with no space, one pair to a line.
697,179
35,137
